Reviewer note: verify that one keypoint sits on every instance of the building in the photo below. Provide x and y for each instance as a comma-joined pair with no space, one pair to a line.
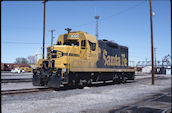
9,66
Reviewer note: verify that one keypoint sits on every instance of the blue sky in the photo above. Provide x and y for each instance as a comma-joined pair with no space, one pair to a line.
124,22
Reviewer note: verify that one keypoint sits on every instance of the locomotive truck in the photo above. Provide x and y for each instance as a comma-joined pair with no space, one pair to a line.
78,59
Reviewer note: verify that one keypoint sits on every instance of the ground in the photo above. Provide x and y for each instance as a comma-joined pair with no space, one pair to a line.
94,99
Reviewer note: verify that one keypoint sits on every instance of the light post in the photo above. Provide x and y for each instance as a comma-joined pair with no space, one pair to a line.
52,36
97,25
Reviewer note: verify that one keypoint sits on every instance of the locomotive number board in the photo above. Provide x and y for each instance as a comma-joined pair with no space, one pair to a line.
74,36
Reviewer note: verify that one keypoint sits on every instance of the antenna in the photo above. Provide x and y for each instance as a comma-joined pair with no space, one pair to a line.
97,25
95,11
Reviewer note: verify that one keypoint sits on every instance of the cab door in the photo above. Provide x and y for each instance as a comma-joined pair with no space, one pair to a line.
93,54
83,50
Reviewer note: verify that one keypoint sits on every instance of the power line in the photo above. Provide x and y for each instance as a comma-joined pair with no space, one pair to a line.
123,11
108,17
21,43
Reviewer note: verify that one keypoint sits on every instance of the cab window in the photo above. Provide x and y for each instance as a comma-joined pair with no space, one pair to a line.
92,46
71,42
83,44
59,43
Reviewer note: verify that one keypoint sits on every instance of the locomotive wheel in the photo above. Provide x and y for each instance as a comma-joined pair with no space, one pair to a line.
124,80
80,84
116,79
72,83
89,83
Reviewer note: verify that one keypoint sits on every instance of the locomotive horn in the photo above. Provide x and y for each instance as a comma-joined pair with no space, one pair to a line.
68,30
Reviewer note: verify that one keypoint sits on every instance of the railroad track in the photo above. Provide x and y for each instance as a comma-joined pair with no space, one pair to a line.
16,80
20,91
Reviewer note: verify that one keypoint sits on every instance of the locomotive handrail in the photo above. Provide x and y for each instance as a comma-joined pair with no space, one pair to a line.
84,52
69,53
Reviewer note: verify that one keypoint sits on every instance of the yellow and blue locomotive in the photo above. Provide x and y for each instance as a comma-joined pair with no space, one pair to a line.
78,59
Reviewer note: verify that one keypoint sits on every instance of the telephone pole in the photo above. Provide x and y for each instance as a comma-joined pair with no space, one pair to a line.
97,25
44,30
171,42
152,51
52,36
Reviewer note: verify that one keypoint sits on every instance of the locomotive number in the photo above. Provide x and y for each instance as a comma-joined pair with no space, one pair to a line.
74,35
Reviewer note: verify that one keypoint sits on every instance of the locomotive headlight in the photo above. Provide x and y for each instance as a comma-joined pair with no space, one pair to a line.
64,70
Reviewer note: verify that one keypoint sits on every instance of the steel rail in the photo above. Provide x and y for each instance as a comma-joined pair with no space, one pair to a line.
20,91
16,80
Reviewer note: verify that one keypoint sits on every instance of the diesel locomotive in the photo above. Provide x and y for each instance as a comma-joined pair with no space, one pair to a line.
78,59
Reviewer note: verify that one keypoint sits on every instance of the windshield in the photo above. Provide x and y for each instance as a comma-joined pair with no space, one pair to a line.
71,43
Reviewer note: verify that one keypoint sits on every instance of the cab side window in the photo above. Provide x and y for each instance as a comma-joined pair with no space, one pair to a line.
92,46
59,43
83,44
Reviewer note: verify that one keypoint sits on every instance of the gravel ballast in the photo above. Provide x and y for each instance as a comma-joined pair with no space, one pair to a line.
94,99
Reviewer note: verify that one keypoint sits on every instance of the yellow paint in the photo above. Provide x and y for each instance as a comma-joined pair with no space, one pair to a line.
124,60
101,70
40,61
113,60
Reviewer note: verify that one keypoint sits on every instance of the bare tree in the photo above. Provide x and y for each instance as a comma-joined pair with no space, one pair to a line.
31,59
21,60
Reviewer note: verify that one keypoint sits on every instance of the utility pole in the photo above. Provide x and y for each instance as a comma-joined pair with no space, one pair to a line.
52,36
152,51
43,30
97,18
171,42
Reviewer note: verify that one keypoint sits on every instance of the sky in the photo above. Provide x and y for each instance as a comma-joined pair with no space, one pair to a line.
124,22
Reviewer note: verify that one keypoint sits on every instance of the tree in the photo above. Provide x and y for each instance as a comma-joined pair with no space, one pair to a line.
31,59
21,60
